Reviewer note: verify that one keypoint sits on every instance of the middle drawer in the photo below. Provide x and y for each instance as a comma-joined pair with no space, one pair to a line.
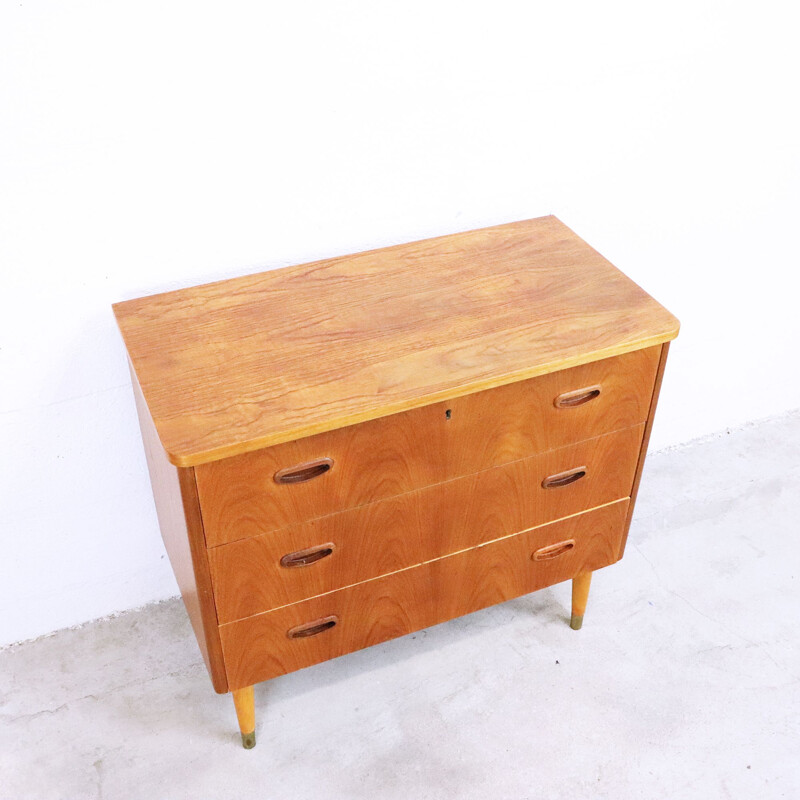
301,561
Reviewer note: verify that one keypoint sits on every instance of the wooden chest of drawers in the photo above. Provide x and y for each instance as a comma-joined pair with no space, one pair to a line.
347,451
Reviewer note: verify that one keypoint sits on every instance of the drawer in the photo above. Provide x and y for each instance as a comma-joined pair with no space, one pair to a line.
296,481
296,636
260,573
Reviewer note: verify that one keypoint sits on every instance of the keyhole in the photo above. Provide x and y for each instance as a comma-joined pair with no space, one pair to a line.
447,414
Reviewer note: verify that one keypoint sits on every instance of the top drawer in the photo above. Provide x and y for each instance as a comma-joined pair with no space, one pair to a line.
268,489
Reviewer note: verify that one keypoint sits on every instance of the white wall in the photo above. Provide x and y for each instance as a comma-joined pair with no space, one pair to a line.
147,146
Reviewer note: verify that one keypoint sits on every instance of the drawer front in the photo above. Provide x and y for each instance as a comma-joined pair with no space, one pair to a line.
296,636
264,572
297,481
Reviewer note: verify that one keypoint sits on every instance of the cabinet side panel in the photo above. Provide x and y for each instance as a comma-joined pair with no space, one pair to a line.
178,510
662,362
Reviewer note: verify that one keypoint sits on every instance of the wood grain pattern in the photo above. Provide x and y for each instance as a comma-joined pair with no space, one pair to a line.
178,510
258,648
419,526
238,365
662,363
403,452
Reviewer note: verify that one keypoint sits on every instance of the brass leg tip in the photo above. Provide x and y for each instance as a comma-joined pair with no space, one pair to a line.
576,621
249,740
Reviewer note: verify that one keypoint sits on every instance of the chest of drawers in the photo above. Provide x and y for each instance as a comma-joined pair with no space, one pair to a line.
347,451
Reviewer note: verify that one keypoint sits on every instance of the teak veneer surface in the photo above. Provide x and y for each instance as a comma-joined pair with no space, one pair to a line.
419,526
258,648
402,452
238,365
179,518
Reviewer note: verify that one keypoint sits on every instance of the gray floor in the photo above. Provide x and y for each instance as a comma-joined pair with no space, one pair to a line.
683,682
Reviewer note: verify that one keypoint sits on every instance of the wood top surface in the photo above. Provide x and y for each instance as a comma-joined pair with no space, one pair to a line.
241,364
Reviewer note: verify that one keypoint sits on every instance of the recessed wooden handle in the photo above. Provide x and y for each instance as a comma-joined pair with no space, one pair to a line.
304,472
302,558
563,478
312,628
553,550
577,397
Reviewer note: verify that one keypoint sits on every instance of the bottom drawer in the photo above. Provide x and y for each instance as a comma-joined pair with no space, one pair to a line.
330,625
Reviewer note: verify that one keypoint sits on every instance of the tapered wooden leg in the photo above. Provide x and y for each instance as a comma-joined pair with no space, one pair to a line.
580,594
246,714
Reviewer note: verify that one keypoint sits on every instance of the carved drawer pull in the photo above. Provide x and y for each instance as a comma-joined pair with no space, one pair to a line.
312,628
553,550
302,558
577,398
304,472
563,478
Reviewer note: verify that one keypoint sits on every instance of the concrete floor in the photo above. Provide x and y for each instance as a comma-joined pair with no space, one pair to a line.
683,682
